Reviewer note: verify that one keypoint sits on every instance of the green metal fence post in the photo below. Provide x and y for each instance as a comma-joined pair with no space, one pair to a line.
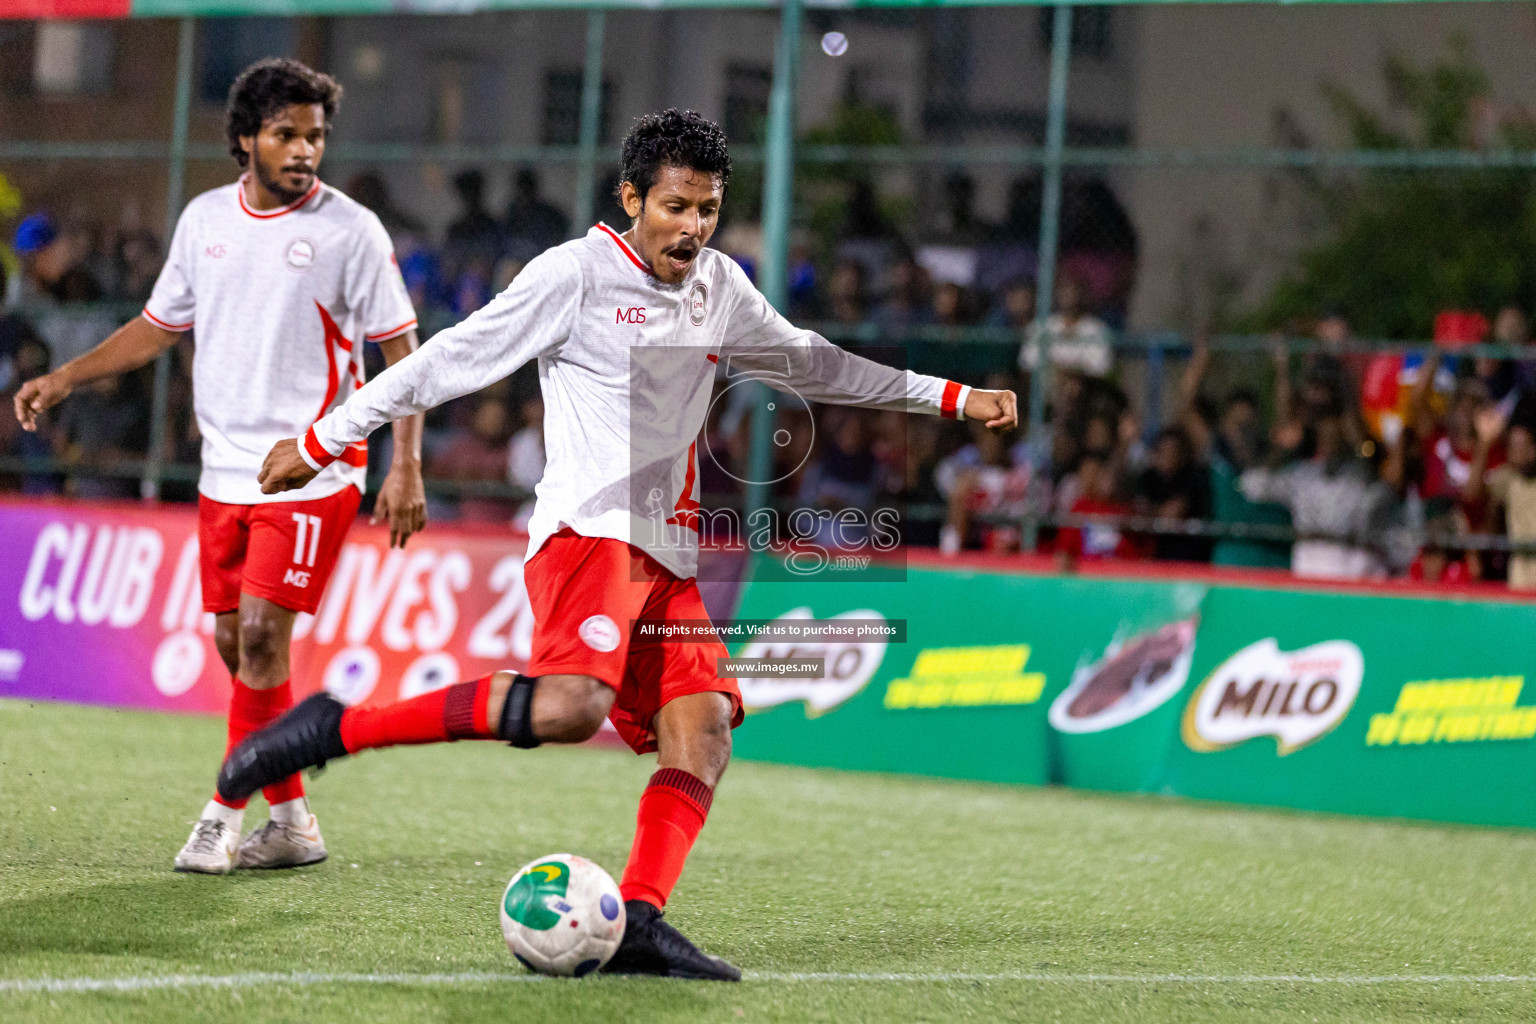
778,200
149,486
591,123
1050,229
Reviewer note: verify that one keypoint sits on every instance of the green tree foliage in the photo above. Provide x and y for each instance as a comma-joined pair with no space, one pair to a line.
1401,246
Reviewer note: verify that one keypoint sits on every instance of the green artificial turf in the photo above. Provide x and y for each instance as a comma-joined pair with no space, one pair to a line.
1029,896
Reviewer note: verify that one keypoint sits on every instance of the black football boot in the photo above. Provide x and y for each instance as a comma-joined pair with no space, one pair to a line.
651,946
307,736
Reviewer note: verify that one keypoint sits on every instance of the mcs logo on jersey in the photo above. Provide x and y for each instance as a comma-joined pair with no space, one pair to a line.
296,578
1295,696
632,315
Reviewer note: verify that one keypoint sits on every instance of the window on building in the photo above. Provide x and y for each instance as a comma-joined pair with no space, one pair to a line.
1092,31
747,87
72,58
562,108
227,46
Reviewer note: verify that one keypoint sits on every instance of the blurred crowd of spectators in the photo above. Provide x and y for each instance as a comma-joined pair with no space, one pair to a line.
479,254
1383,464
1364,455
962,273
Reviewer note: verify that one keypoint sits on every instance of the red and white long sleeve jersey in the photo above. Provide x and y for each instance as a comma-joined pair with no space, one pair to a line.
626,365
281,302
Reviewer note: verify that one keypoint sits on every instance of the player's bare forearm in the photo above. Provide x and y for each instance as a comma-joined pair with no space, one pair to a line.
998,410
402,498
127,348
284,468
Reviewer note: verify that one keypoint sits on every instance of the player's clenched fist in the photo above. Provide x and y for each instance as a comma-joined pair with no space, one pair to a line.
38,395
284,469
999,410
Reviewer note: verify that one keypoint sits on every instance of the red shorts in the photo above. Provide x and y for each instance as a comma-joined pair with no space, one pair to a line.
586,592
283,551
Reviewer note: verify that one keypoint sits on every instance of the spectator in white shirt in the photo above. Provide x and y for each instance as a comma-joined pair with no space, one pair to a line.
1077,339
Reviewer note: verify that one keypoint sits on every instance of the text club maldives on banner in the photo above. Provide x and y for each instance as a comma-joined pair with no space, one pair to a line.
103,605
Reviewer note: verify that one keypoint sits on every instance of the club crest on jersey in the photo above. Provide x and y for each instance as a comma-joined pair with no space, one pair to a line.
300,255
698,301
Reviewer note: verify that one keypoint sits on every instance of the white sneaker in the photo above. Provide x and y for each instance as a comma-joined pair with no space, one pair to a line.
280,844
210,850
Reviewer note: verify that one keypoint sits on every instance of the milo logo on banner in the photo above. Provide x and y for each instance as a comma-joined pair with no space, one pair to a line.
848,665
1295,696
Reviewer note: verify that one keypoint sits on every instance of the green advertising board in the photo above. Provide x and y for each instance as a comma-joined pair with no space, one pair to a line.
967,695
1396,706
1346,702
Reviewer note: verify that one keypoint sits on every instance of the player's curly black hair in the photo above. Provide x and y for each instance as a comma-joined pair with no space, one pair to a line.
673,138
265,88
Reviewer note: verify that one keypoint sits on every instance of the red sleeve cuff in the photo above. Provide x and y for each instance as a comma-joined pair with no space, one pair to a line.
949,406
313,452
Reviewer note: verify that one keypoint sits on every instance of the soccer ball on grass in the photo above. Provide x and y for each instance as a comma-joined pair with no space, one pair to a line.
562,915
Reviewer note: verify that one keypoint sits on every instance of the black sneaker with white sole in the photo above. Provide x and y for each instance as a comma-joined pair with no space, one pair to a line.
652,946
307,736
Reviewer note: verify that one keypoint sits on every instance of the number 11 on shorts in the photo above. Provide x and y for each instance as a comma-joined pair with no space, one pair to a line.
309,527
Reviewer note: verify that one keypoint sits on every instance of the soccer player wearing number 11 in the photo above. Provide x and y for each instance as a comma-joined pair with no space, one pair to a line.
628,330
280,278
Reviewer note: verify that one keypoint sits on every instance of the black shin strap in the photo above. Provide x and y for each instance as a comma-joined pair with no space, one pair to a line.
517,714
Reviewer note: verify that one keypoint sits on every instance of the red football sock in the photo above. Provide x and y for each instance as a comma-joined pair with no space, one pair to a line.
251,709
672,813
456,712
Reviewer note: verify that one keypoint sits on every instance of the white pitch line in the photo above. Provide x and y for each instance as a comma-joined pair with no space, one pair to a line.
254,979
1160,979
302,978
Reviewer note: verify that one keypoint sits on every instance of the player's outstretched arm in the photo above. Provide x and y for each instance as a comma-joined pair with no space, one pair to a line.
127,348
402,500
532,318
801,362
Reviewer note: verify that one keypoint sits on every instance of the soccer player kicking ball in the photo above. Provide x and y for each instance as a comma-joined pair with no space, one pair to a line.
628,330
281,278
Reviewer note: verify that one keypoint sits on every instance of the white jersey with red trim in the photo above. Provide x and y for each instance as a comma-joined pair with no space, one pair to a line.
627,366
279,302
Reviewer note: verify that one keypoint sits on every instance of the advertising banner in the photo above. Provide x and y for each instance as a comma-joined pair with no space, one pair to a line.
969,694
102,604
1348,702
1364,705
1334,701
